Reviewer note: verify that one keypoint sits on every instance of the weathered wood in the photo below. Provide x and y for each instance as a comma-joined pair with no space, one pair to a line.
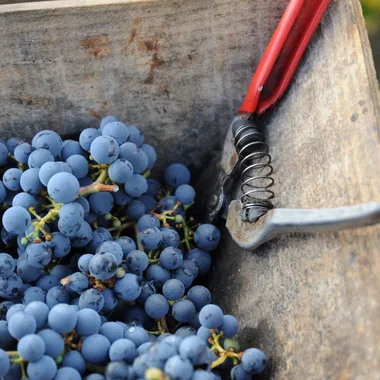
313,302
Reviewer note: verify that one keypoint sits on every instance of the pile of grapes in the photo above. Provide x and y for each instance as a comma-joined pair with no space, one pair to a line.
101,275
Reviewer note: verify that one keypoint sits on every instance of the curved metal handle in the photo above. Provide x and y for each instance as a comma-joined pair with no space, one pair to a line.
282,221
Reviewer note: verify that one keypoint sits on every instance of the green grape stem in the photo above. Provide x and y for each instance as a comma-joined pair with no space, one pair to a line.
220,351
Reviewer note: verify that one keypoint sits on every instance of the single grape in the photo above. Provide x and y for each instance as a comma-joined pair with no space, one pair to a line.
193,348
22,152
211,316
101,203
137,335
150,153
121,198
170,238
112,331
74,359
78,165
185,331
185,194
85,204
179,368
3,154
149,202
123,349
61,245
135,210
88,322
143,349
201,258
158,275
148,289
54,343
156,306
61,271
104,149
199,296
94,376
183,311
78,282
84,262
200,374
137,260
127,244
47,282
47,171
207,237
4,307
24,200
103,266
118,370
204,333
10,286
21,324
38,157
183,275
113,248
33,293
67,373
136,186
95,348
171,258
128,288
82,237
110,300
99,235
7,265
191,267
31,347
39,310
135,135
49,140
140,366
117,130
173,290
57,295
14,309
12,143
63,187
150,238
38,255
70,148
154,187
254,360
11,179
91,299
177,175
43,369
239,373
3,193
147,221
87,136
62,318
6,339
230,326
136,315
4,363
135,156
106,120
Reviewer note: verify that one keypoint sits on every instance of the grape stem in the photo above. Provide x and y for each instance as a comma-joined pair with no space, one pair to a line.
19,360
220,351
146,174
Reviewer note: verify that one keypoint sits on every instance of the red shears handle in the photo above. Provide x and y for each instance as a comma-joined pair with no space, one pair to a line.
283,54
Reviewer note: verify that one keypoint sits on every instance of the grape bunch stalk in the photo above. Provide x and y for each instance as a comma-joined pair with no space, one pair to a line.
102,265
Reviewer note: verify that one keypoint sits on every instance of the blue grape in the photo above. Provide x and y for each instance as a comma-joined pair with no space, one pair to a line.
106,120
95,376
67,373
78,165
207,237
140,366
71,147
158,275
22,152
14,309
43,369
86,181
47,171
88,322
143,349
47,282
121,198
211,316
170,238
135,135
95,348
200,374
38,157
57,295
193,348
63,187
201,258
112,331
103,266
21,324
30,181
7,265
127,244
185,194
147,221
147,290
113,248
123,349
91,299
151,238
60,245
39,310
104,149
177,175
54,343
84,203
121,171
204,333
128,288
136,314
3,192
82,237
78,282
183,311
199,295
99,235
6,339
174,340
230,326
239,373
87,136
156,306
11,179
49,140
135,156
137,260
254,360
3,154
4,307
118,370
185,331
84,262
110,300
25,271
150,153
74,359
10,286
171,258
179,368
136,186
33,293
4,363
62,318
101,203
191,267
61,271
117,130
135,210
38,255
183,275
149,202
12,143
24,200
173,290
137,335
154,187
31,347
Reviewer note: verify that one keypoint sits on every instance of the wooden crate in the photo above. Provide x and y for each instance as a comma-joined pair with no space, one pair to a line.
180,69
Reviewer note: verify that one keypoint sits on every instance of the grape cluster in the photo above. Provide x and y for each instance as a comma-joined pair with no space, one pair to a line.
102,279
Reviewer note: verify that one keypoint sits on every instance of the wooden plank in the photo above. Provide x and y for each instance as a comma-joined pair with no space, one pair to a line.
313,302
177,68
